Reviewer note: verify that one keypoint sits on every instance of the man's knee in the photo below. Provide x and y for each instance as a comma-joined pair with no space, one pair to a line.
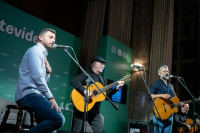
60,121
99,130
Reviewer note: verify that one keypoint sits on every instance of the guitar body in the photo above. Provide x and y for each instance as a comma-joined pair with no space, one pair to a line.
184,129
164,108
78,98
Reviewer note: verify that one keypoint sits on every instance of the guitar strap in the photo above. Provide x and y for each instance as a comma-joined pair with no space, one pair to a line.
101,79
172,89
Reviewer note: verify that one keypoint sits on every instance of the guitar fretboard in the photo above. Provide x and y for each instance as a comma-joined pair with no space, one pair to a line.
108,87
125,79
189,101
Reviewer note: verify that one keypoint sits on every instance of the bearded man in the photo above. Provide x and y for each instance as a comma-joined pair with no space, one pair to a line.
180,119
78,82
32,90
162,89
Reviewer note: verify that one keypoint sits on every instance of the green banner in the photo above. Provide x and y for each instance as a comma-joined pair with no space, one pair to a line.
118,59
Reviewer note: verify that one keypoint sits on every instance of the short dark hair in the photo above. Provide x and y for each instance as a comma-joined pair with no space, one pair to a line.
45,30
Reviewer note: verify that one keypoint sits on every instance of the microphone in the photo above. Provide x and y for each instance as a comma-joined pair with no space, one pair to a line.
196,114
60,46
171,76
135,66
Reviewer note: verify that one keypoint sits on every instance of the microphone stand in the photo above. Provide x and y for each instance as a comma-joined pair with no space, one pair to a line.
92,81
148,100
194,100
88,82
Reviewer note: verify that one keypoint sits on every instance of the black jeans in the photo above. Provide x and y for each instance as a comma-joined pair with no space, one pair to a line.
93,118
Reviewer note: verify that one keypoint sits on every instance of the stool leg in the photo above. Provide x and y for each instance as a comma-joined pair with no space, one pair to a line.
4,120
32,118
19,120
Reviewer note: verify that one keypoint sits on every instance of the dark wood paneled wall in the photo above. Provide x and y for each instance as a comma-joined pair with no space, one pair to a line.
186,49
65,14
120,20
93,30
141,45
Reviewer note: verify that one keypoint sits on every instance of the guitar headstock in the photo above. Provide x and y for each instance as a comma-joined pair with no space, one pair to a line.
126,78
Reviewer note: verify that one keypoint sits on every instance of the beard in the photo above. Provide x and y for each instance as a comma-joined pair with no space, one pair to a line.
184,112
165,76
48,45
101,70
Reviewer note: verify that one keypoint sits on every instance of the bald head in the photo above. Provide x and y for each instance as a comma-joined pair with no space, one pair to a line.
185,109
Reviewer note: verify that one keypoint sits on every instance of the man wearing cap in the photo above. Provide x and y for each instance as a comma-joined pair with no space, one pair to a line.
78,82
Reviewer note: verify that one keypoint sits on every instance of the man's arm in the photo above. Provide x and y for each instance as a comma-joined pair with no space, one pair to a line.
120,84
111,91
35,61
36,72
164,96
47,66
48,70
76,82
47,77
178,123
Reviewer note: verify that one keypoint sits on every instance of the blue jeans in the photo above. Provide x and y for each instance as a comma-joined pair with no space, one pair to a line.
48,120
163,126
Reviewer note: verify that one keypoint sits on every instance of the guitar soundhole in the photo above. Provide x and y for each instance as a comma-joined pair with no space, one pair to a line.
95,93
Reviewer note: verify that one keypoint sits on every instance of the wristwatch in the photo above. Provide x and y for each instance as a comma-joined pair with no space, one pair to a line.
50,98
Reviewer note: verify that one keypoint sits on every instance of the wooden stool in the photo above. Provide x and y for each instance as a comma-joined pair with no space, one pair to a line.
16,127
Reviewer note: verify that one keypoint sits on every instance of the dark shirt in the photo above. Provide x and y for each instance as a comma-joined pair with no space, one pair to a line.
159,87
79,82
179,120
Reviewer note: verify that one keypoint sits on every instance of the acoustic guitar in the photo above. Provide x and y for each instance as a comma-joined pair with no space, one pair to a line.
168,106
79,99
185,130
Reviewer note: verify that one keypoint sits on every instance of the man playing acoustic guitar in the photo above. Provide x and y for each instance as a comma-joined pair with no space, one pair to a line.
78,82
162,89
180,120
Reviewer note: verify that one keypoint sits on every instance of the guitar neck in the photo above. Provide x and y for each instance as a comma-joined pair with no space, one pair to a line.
125,79
186,102
109,86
